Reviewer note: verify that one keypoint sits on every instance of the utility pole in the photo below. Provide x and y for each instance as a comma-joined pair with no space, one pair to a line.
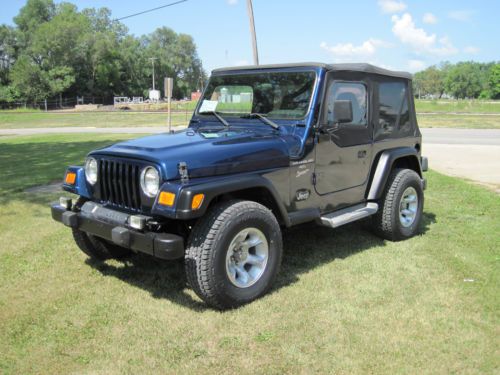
169,87
153,63
252,32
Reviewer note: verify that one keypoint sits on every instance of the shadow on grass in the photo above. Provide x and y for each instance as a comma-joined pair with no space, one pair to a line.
305,247
24,165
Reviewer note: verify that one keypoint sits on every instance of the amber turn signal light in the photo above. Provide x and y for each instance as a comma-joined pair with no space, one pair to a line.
197,201
166,198
70,178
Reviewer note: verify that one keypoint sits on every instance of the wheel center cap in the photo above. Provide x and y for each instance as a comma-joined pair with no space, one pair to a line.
240,254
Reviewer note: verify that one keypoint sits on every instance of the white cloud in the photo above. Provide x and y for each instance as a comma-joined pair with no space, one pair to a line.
415,65
232,2
405,30
391,6
417,38
445,48
429,18
471,50
461,15
349,50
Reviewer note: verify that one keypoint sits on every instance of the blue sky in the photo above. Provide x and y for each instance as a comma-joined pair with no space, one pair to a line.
397,34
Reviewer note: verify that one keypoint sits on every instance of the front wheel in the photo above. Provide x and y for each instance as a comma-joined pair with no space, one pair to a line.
400,212
234,253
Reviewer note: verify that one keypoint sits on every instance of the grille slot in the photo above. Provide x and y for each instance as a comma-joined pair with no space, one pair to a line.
119,184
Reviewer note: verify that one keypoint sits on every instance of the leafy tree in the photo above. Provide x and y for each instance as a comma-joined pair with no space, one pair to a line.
176,57
9,94
56,50
59,79
34,13
464,81
8,50
29,80
104,68
494,81
30,17
430,81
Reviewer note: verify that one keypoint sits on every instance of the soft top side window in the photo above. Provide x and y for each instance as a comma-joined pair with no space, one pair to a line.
393,112
355,92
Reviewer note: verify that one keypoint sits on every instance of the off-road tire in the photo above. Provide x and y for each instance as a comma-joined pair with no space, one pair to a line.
385,222
208,244
98,248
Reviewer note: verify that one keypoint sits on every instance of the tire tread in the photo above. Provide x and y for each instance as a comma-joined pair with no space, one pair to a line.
199,266
384,221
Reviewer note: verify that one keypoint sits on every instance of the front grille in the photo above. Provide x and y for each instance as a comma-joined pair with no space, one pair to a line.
119,184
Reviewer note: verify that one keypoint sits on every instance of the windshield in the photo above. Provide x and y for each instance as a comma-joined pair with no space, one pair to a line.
281,95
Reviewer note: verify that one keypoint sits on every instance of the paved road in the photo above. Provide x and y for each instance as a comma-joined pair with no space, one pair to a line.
461,136
467,153
473,154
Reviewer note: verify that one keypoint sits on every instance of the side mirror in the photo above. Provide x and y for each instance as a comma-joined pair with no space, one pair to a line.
342,111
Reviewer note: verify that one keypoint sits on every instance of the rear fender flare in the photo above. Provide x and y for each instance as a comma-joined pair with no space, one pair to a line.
384,167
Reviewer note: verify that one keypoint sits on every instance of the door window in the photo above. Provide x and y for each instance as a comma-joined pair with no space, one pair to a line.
353,92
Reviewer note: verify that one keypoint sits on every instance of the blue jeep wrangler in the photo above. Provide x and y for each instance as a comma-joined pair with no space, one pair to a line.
267,147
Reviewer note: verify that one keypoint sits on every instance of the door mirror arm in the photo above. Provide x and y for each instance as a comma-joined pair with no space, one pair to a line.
330,128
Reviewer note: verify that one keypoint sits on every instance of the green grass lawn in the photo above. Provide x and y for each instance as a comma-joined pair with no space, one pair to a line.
114,119
460,106
102,119
345,301
459,121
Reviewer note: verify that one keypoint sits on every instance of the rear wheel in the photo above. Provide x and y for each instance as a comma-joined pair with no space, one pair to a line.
98,248
234,253
400,212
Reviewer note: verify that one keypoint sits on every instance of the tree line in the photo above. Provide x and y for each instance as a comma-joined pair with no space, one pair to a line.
464,80
54,50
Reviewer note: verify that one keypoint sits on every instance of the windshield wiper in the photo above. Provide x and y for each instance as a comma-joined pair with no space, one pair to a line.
263,118
219,117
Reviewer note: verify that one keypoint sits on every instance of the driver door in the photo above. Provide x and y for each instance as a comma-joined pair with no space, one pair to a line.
343,151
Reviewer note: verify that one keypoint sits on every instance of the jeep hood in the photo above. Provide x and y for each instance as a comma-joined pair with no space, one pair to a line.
207,153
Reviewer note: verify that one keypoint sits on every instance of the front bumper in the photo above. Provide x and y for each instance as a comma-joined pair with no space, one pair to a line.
113,226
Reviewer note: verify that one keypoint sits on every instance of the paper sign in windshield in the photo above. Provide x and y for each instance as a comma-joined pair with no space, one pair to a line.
208,106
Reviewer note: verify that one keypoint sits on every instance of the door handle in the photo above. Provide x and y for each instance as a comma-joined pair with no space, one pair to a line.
361,154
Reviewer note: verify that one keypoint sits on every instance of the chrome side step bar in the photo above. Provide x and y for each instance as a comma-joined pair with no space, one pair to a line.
348,215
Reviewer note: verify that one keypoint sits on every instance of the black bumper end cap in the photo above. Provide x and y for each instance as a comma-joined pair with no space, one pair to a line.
168,246
121,236
70,219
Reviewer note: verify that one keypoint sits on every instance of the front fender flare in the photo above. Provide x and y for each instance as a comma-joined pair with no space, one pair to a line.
211,189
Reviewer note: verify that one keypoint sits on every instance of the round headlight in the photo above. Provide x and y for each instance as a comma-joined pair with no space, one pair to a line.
150,181
91,170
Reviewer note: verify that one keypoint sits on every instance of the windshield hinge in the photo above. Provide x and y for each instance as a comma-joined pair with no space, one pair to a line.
183,171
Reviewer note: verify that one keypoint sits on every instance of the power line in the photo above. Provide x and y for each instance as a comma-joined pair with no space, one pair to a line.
151,10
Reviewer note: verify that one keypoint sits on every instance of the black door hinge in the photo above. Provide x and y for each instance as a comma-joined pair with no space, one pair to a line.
313,176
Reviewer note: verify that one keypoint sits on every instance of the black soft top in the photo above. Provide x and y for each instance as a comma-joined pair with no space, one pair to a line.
349,67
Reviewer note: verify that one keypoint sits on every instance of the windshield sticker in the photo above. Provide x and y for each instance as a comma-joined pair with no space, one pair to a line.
210,135
208,106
